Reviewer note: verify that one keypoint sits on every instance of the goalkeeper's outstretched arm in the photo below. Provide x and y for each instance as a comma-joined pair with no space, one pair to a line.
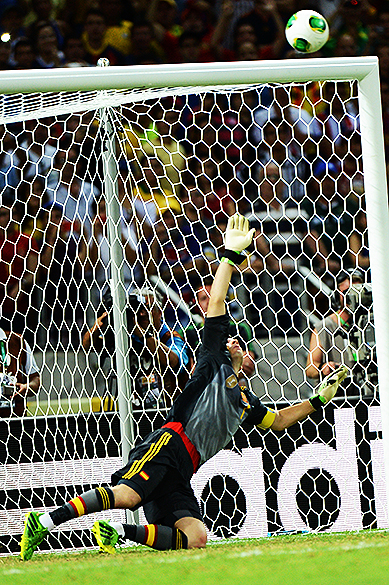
238,236
282,419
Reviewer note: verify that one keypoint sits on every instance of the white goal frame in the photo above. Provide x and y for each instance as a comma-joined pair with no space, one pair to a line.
364,70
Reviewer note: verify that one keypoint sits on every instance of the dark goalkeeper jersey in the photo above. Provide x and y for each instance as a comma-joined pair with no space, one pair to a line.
213,406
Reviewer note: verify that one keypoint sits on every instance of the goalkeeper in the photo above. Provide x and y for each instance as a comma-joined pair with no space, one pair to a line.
200,423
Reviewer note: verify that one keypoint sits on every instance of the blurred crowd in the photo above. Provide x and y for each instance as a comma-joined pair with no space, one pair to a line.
56,33
186,163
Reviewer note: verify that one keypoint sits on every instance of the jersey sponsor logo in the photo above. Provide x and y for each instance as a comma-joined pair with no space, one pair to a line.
231,381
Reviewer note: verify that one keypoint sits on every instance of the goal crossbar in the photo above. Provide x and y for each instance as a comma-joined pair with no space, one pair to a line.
182,74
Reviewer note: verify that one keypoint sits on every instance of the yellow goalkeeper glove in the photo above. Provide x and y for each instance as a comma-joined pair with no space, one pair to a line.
238,237
328,387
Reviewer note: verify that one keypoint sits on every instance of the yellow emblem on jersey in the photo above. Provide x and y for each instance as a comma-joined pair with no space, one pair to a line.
231,381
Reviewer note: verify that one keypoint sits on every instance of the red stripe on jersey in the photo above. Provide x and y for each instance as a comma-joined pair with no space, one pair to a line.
193,453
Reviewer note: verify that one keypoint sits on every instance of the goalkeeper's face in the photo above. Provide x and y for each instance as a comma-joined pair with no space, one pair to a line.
236,353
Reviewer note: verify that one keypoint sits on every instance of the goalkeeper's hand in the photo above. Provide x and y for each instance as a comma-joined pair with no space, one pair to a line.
238,235
331,383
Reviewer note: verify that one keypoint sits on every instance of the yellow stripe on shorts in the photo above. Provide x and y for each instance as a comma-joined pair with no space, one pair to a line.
155,448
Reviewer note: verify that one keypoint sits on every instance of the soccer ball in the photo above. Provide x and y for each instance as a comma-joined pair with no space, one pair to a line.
307,31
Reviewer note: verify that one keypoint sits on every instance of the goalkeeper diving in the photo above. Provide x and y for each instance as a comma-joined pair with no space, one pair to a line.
200,423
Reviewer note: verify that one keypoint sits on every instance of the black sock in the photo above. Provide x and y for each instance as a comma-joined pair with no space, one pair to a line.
91,501
156,536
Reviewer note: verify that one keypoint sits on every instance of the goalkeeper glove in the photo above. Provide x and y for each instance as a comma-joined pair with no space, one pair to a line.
238,236
328,387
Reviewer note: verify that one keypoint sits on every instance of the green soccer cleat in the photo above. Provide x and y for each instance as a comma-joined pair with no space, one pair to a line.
106,536
32,536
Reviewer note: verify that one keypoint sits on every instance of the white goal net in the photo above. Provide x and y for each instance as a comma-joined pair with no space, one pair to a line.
113,205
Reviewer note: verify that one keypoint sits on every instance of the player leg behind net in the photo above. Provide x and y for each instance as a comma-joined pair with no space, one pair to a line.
201,423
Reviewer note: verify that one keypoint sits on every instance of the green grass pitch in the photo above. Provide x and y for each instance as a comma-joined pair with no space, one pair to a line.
353,558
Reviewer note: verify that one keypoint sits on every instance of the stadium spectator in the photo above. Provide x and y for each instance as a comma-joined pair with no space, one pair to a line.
20,375
62,257
145,48
359,244
346,46
158,356
163,15
351,181
23,55
331,219
300,107
95,42
201,422
268,27
219,203
45,11
5,54
340,119
279,147
379,31
118,32
35,198
159,141
244,32
234,135
99,256
202,25
284,244
189,48
327,348
46,49
11,21
74,51
198,17
35,155
163,144
352,17
9,163
193,203
70,191
148,198
177,257
18,265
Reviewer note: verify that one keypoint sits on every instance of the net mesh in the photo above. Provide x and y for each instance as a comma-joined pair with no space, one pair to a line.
288,157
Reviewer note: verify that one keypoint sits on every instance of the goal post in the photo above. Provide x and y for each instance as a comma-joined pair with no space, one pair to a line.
372,138
63,93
